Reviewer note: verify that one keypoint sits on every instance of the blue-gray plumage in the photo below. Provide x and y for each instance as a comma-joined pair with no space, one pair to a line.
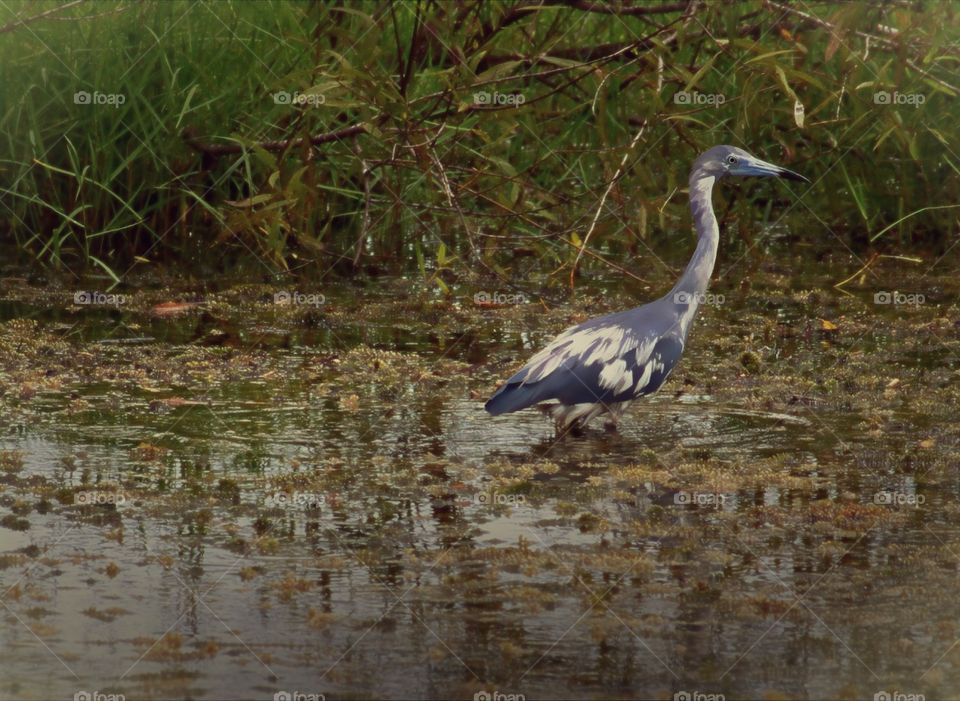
600,366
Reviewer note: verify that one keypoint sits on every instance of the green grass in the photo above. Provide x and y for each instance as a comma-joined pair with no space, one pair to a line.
185,167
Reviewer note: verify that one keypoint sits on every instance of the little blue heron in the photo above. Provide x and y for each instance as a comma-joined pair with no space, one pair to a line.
600,366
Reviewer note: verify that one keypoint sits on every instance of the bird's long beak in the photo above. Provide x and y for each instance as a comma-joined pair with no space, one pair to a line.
763,169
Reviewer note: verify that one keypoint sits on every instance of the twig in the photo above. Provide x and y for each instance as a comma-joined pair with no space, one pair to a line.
644,42
884,43
585,54
873,259
317,140
407,68
365,221
806,16
953,88
903,218
521,10
879,41
46,13
448,191
616,8
593,224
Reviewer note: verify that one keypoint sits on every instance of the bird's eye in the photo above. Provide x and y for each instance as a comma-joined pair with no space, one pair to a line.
731,159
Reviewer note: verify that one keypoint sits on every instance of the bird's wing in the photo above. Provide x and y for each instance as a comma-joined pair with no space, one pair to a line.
599,341
613,358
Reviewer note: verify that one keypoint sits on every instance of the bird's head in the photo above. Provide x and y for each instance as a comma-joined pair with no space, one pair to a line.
730,160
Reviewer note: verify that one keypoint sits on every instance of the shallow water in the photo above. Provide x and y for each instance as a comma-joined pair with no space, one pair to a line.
313,500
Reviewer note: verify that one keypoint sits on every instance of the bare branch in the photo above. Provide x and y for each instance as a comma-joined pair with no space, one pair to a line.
879,41
614,8
46,13
613,181
281,145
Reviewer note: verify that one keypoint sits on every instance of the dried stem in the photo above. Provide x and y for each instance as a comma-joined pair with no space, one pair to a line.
596,216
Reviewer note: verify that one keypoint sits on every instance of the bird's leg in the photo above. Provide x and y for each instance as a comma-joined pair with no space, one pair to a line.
612,422
615,413
561,428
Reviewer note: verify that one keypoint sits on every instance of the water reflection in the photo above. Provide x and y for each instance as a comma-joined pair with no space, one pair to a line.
711,544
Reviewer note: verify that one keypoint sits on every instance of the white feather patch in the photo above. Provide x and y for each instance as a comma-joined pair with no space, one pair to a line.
615,376
644,379
605,344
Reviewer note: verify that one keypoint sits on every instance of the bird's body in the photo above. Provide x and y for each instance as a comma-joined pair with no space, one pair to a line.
600,366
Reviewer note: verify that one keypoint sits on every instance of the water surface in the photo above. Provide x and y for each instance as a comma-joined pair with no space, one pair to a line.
247,498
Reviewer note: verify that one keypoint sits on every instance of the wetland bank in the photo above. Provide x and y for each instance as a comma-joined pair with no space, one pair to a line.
230,497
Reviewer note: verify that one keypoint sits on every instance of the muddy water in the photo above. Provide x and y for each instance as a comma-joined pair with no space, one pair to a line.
247,498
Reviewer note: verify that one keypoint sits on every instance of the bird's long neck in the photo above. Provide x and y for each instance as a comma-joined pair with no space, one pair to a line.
696,277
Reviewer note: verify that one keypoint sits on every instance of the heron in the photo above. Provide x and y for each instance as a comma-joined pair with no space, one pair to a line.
600,366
